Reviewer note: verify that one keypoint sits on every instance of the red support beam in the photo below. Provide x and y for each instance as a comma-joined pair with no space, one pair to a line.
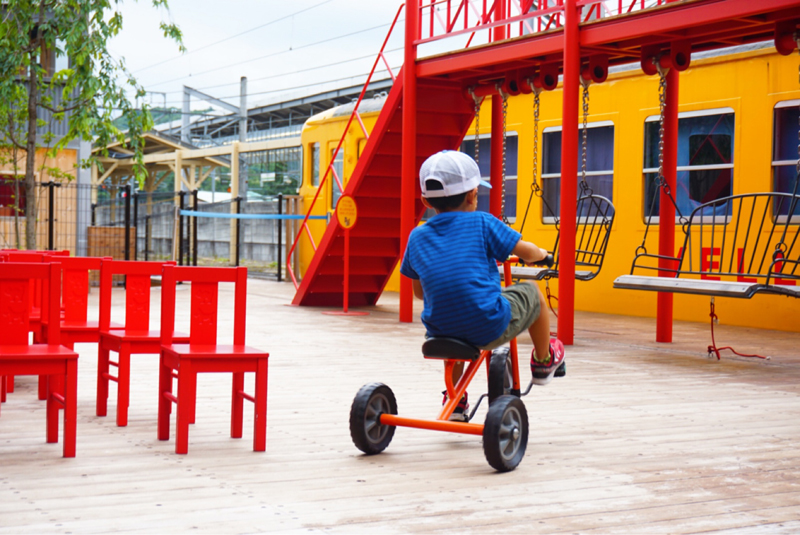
408,164
666,213
569,173
496,171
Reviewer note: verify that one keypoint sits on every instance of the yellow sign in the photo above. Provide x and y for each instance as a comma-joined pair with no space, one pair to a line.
346,212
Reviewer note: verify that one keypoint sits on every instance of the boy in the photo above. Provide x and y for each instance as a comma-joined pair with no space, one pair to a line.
451,260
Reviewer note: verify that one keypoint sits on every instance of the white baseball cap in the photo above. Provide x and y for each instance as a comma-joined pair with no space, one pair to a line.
455,171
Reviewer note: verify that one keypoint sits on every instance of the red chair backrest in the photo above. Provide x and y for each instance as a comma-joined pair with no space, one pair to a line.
137,291
15,288
204,302
75,278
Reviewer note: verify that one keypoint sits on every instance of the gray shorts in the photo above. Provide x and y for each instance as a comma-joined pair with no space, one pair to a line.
525,309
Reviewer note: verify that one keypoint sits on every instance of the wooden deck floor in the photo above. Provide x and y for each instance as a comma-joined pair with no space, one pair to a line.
638,438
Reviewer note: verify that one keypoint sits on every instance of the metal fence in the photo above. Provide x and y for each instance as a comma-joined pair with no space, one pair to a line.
118,222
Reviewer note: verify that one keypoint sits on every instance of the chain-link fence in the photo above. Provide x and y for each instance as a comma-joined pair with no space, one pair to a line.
116,222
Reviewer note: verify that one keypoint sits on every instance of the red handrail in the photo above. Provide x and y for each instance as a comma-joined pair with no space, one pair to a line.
454,19
329,168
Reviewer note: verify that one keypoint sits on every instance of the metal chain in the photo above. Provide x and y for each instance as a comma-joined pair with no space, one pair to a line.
662,102
585,189
477,108
504,96
535,188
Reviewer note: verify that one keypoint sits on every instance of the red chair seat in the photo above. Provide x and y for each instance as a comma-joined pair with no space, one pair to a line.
134,335
36,351
211,351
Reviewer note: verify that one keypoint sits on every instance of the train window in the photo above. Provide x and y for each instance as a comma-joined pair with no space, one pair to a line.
784,152
705,160
485,146
9,187
599,165
338,166
314,164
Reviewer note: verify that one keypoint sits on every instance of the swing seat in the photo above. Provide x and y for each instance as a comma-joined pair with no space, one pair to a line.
449,349
736,246
595,218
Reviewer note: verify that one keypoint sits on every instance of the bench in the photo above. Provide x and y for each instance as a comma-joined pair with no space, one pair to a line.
736,246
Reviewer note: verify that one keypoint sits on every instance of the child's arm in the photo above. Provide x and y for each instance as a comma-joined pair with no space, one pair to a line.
529,252
417,285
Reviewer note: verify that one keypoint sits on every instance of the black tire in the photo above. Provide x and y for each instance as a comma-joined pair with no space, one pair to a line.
505,433
368,434
501,376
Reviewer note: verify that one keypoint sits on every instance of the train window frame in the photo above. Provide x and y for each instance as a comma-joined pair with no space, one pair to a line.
722,218
777,160
484,193
314,163
337,164
552,220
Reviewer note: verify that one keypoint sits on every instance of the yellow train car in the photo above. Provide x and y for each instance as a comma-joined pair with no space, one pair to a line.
738,133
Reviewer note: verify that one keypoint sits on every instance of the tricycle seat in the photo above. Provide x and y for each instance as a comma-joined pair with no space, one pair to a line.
449,348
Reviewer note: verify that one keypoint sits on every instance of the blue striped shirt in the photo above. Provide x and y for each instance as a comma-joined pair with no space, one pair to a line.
454,256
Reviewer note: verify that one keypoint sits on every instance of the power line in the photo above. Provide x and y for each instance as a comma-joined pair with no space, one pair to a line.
273,54
300,86
250,80
233,36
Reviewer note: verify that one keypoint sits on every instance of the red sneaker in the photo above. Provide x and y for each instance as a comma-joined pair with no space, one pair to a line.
460,414
543,372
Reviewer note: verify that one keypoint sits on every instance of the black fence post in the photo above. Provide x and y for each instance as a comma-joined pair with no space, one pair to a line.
181,206
94,214
50,213
146,237
238,227
136,225
194,229
280,234
127,193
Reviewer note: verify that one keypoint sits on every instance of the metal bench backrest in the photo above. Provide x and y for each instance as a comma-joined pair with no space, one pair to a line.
745,238
595,215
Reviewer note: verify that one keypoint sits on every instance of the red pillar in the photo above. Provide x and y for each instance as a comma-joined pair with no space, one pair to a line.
569,174
408,164
496,170
666,213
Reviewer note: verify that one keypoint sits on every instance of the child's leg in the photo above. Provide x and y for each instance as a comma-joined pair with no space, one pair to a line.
540,329
458,370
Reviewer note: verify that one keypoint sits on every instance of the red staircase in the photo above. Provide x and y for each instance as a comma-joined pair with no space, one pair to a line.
443,117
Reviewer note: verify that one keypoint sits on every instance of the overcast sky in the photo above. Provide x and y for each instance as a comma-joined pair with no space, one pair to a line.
278,56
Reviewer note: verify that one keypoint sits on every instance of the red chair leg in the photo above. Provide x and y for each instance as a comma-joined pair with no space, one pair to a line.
52,411
123,385
43,387
260,417
9,384
71,408
102,380
186,398
237,405
3,380
193,408
164,403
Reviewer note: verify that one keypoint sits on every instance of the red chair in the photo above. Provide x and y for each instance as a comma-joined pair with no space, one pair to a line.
203,355
18,357
35,300
76,327
134,338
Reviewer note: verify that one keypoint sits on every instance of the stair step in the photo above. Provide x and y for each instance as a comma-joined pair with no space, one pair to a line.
375,186
364,266
335,283
334,298
366,246
376,227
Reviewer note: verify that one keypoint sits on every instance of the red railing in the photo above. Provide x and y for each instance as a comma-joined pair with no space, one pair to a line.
439,19
330,168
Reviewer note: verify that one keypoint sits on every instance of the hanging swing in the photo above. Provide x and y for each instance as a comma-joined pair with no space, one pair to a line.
735,246
595,213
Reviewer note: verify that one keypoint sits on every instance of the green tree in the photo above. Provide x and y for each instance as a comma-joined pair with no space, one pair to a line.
87,94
